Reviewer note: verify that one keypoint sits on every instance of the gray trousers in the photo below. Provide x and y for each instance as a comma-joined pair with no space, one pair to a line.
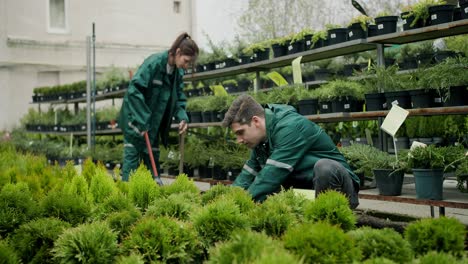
328,175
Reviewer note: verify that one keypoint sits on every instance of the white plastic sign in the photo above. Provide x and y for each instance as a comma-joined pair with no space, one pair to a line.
394,119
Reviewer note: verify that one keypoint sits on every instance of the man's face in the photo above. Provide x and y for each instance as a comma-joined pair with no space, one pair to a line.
249,134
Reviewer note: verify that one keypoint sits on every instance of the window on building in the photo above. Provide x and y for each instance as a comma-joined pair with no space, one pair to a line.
58,16
177,7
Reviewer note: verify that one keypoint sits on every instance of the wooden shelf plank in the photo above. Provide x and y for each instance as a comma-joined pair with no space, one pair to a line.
340,49
424,33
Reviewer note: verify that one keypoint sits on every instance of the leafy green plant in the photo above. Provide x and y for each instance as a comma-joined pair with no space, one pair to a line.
131,259
218,220
432,157
114,203
385,243
439,258
420,10
245,246
359,157
143,190
88,243
279,257
462,176
163,240
339,90
16,207
378,261
363,20
34,240
259,46
182,184
281,40
123,221
7,254
177,205
321,241
295,201
332,207
319,35
440,234
301,35
102,185
68,207
215,192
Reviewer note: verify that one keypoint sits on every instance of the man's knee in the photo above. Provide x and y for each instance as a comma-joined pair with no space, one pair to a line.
325,168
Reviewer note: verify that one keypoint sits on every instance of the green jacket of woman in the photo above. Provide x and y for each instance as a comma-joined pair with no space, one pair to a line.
294,144
153,97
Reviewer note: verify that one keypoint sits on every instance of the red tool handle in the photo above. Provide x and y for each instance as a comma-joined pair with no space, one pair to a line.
153,164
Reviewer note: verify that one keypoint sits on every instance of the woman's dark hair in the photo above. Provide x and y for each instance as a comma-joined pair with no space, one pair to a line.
186,45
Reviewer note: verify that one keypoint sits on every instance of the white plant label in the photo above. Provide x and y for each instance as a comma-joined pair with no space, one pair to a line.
438,100
324,106
466,10
350,34
404,22
394,119
346,106
434,17
380,26
308,42
333,35
290,47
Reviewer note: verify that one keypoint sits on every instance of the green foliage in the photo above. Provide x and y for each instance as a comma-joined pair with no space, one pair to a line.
385,79
363,20
236,194
432,157
68,207
281,257
7,254
79,187
177,205
114,203
322,243
142,188
245,247
16,207
440,234
132,259
164,240
88,243
420,10
301,35
457,43
322,34
274,217
378,261
34,240
332,207
364,158
218,220
462,173
383,243
214,192
89,169
123,221
339,90
182,184
439,258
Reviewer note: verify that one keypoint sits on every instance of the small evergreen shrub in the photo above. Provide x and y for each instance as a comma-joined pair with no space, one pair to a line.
123,221
16,207
281,257
214,192
245,246
442,234
384,243
273,217
79,187
163,240
115,203
102,185
177,205
321,242
218,220
439,258
68,207
332,207
295,201
132,259
34,240
378,261
89,170
142,188
181,184
7,254
88,243
240,196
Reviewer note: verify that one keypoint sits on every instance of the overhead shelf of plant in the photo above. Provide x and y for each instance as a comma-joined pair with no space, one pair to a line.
423,33
339,49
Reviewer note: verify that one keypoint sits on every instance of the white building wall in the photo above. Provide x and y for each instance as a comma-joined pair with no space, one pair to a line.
126,33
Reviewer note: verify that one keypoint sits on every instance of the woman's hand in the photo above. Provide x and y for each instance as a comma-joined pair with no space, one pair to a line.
182,127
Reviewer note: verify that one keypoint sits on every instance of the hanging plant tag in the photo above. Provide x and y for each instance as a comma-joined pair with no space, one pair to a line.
394,119
380,26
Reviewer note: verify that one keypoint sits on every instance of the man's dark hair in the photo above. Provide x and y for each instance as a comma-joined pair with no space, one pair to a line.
242,110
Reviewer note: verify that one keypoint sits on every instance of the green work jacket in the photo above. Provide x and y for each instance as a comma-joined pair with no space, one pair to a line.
152,99
293,145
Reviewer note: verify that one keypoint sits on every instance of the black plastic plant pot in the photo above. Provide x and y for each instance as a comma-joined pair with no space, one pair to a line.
219,174
349,69
325,107
386,24
322,74
207,90
408,21
388,182
402,98
195,117
464,10
279,50
346,105
440,14
389,61
207,117
296,47
457,96
442,55
308,77
457,14
307,106
425,59
372,31
199,68
421,98
337,35
209,66
319,44
230,88
230,62
217,116
408,64
262,55
355,31
375,101
243,85
244,59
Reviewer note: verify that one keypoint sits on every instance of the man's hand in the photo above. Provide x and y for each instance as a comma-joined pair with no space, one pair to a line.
182,127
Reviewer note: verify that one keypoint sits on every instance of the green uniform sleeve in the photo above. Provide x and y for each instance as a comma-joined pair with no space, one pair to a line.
248,173
180,112
140,112
289,149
